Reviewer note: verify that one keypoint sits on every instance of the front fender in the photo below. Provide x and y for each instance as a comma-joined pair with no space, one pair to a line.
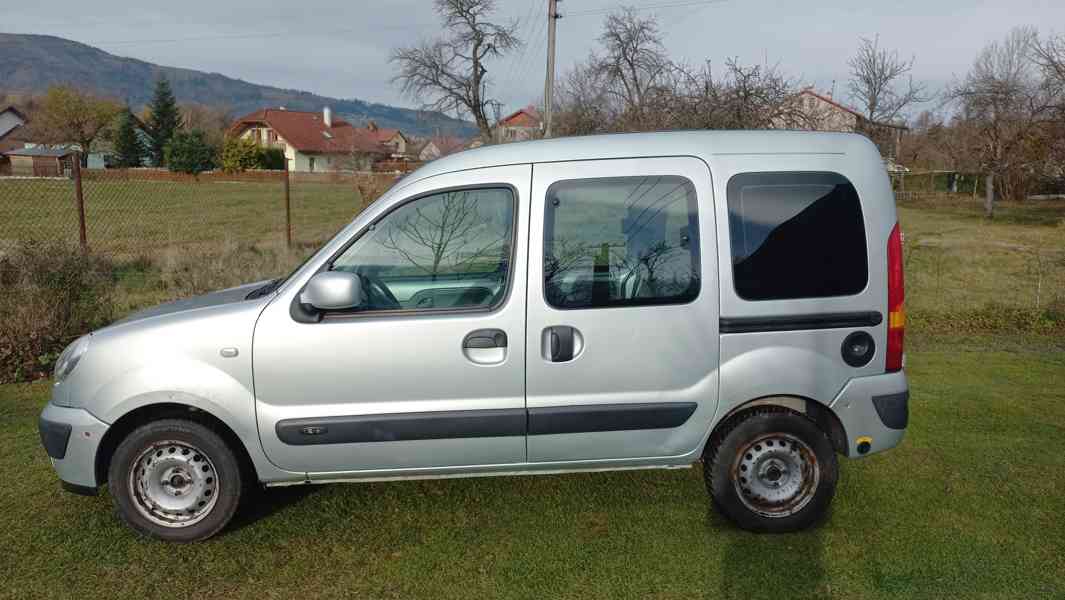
190,383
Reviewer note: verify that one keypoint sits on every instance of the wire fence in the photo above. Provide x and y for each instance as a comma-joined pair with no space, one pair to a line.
132,212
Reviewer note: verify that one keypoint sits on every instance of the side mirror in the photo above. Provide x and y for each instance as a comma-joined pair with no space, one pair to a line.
333,290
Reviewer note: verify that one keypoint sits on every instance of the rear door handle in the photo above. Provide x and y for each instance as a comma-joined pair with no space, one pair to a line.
485,346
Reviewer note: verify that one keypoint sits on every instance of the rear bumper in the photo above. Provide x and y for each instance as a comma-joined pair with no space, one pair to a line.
874,412
71,437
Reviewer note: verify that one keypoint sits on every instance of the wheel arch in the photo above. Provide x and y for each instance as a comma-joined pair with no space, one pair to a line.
821,415
142,415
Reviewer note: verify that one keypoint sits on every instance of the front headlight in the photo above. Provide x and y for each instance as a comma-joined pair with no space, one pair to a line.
70,357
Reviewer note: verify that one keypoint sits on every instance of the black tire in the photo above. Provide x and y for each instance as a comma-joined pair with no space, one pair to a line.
730,449
214,479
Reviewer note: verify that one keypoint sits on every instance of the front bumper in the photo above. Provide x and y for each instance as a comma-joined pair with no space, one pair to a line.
874,412
71,437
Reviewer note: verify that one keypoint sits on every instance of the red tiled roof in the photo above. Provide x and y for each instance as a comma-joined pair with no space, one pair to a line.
523,117
845,108
378,134
308,133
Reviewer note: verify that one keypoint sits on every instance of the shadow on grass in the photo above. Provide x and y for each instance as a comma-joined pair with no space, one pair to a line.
262,504
758,565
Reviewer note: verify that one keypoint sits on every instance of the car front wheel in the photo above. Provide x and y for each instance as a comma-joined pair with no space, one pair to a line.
771,470
175,480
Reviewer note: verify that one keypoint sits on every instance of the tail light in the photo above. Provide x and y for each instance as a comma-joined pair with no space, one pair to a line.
896,295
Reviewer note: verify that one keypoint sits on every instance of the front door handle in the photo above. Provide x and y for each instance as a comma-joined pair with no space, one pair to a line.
561,343
485,346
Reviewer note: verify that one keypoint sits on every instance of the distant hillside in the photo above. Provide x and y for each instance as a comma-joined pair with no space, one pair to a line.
31,63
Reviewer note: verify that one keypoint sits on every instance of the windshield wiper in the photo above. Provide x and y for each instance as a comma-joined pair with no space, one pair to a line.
269,288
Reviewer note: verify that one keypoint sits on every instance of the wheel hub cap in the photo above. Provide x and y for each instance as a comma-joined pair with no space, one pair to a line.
776,475
173,484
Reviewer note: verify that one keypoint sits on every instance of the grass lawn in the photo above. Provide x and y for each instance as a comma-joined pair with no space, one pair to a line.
134,218
957,259
969,506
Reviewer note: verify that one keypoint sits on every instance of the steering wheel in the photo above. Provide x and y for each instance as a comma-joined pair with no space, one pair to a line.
379,295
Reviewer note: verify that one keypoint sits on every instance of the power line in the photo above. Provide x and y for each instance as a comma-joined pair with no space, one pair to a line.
679,4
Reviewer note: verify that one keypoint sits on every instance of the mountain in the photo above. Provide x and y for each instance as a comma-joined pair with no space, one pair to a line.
31,63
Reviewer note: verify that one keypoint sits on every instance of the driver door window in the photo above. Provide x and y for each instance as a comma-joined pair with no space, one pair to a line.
449,250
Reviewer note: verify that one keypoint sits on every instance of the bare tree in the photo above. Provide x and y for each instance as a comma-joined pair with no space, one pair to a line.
881,82
634,61
449,74
444,236
1008,103
1050,55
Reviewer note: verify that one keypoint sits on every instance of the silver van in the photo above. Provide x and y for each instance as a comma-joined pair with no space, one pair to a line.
613,302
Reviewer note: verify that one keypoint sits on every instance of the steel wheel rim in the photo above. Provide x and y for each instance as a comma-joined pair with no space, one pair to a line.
776,475
173,484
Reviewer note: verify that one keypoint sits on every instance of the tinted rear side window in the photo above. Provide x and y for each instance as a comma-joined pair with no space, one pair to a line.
796,235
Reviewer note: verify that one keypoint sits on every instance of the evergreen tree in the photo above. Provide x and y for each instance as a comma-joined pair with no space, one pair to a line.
164,121
189,152
129,151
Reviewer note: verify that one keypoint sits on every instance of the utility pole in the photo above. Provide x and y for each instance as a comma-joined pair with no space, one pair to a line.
549,83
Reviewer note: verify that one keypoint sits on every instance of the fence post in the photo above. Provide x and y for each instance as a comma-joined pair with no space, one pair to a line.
79,198
288,210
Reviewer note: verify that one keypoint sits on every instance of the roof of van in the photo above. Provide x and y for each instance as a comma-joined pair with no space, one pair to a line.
636,145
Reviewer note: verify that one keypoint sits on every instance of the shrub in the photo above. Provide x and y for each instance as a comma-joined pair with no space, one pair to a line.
272,158
49,295
189,152
240,154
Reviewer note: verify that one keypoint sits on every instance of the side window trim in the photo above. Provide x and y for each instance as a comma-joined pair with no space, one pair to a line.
297,311
695,241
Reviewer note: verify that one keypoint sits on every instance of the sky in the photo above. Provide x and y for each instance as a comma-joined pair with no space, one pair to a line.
341,48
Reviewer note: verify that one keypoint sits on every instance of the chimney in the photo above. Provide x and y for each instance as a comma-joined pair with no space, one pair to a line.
327,116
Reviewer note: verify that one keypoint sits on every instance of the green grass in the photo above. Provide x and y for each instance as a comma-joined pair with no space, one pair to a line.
139,217
956,259
970,505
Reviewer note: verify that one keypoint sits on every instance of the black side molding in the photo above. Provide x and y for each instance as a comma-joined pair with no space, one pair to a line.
401,427
893,409
608,417
801,322
54,437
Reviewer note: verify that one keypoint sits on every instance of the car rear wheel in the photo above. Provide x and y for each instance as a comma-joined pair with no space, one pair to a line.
771,470
175,480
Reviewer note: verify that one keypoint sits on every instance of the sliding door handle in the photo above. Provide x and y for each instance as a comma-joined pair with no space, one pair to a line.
561,343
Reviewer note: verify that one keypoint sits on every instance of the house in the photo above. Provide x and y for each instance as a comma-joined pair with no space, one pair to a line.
391,138
40,161
523,124
316,142
820,112
438,146
12,133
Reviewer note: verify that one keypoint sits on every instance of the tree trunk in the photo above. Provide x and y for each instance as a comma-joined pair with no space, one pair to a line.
989,198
